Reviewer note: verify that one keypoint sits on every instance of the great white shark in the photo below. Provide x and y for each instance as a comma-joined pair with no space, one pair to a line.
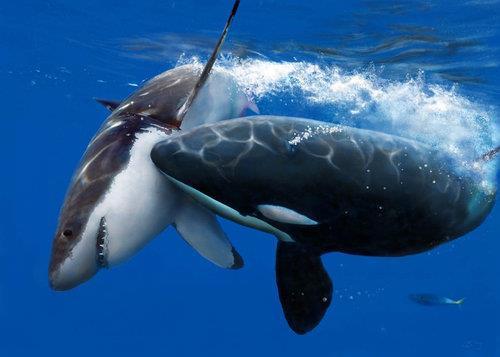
118,201
322,188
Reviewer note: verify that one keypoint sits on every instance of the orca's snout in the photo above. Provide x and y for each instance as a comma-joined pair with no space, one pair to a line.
162,154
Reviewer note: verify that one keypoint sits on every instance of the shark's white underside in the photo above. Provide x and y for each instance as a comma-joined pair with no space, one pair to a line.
138,206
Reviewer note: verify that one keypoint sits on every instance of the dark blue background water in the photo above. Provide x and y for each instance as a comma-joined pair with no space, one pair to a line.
56,55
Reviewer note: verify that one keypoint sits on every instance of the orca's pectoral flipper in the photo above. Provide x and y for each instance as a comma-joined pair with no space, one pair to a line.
108,104
208,67
304,287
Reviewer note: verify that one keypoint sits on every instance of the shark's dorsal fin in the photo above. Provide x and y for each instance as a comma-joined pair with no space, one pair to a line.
208,67
108,104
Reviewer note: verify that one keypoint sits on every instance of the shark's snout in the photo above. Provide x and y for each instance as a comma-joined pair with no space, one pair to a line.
72,263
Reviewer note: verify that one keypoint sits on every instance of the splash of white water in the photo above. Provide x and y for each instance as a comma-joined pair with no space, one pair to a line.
433,114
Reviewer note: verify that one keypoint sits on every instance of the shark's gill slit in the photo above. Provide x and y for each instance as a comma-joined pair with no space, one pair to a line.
102,244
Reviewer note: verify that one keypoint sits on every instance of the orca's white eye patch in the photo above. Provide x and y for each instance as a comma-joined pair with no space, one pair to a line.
285,215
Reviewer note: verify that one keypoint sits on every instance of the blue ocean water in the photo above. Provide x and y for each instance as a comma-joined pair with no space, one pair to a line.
428,70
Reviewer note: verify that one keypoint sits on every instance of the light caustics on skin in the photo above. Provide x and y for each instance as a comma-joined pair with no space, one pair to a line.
120,201
319,180
329,188
116,180
436,115
117,200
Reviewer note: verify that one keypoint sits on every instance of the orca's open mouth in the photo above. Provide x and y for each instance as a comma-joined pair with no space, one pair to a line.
102,244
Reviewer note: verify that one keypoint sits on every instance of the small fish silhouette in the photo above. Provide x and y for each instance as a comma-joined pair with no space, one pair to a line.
434,300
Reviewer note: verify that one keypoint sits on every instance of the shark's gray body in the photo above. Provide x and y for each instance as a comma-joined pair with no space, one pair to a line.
118,200
118,195
323,188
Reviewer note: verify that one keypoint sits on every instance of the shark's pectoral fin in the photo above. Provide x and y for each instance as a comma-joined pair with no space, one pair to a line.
201,230
108,104
208,67
304,287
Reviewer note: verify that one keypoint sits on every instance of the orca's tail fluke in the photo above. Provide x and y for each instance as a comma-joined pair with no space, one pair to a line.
490,155
208,67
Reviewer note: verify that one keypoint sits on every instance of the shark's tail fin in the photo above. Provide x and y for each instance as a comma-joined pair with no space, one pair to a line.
208,67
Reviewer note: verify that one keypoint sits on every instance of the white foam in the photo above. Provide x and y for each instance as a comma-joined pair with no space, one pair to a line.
311,131
437,115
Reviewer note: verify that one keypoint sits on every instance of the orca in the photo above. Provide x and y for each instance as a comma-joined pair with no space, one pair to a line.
320,188
118,201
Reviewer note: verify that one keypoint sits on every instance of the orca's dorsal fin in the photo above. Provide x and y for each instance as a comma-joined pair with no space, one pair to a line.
108,104
304,287
206,70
